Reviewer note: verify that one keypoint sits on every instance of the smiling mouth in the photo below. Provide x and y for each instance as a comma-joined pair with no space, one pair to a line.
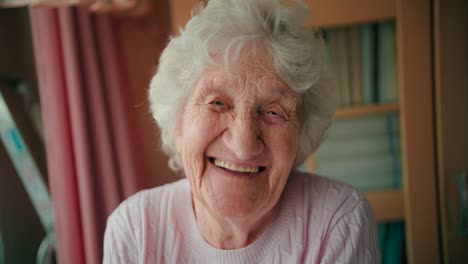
235,168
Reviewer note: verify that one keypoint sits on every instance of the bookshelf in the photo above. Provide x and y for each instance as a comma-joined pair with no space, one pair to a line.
415,202
367,110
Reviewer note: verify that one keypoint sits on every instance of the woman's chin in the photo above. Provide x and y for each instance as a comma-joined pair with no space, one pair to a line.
234,196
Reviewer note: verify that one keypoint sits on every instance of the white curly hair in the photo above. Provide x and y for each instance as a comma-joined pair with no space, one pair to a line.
223,28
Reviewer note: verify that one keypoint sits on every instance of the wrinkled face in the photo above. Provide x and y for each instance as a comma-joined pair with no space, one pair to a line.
238,138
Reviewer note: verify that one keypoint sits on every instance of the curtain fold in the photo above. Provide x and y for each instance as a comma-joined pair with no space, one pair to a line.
91,139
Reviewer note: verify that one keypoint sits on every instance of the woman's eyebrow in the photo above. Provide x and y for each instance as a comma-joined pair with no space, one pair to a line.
284,93
210,89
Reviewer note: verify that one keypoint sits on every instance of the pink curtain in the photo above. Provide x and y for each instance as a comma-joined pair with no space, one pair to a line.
93,150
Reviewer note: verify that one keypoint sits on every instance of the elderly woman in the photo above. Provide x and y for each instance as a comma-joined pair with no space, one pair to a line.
241,99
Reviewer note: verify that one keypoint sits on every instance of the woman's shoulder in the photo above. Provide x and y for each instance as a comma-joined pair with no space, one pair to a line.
135,225
324,197
335,218
149,201
321,187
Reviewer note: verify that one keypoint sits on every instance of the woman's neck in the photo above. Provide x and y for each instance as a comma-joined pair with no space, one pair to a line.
231,233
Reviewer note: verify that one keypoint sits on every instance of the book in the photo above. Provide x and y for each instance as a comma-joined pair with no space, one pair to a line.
329,61
391,242
354,66
328,56
338,44
387,83
343,57
382,237
368,66
394,243
361,166
367,145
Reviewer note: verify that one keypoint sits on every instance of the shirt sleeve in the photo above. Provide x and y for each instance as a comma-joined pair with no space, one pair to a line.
353,239
119,241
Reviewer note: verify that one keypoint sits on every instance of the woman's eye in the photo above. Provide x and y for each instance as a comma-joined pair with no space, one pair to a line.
217,103
272,116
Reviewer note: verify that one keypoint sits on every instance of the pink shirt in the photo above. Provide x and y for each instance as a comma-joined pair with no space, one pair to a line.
319,221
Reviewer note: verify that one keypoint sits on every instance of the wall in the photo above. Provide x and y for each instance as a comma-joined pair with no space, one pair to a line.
143,39
19,224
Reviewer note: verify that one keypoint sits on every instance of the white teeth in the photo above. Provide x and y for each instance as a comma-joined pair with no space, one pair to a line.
232,167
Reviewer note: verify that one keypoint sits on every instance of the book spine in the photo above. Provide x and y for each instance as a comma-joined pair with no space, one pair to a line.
387,85
342,65
355,65
367,63
394,152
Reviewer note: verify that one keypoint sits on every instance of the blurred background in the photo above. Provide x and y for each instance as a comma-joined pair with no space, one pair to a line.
77,136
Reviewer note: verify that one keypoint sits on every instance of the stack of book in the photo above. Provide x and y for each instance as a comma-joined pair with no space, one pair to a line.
362,60
363,151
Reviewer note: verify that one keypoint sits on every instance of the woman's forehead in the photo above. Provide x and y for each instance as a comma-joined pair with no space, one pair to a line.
254,77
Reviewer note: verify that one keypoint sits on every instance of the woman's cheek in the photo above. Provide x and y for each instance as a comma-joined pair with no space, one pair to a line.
283,139
213,124
198,123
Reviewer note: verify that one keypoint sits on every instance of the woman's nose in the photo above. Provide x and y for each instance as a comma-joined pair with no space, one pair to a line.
243,137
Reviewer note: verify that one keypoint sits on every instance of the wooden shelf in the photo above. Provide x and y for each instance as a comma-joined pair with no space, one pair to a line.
367,110
388,204
327,13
